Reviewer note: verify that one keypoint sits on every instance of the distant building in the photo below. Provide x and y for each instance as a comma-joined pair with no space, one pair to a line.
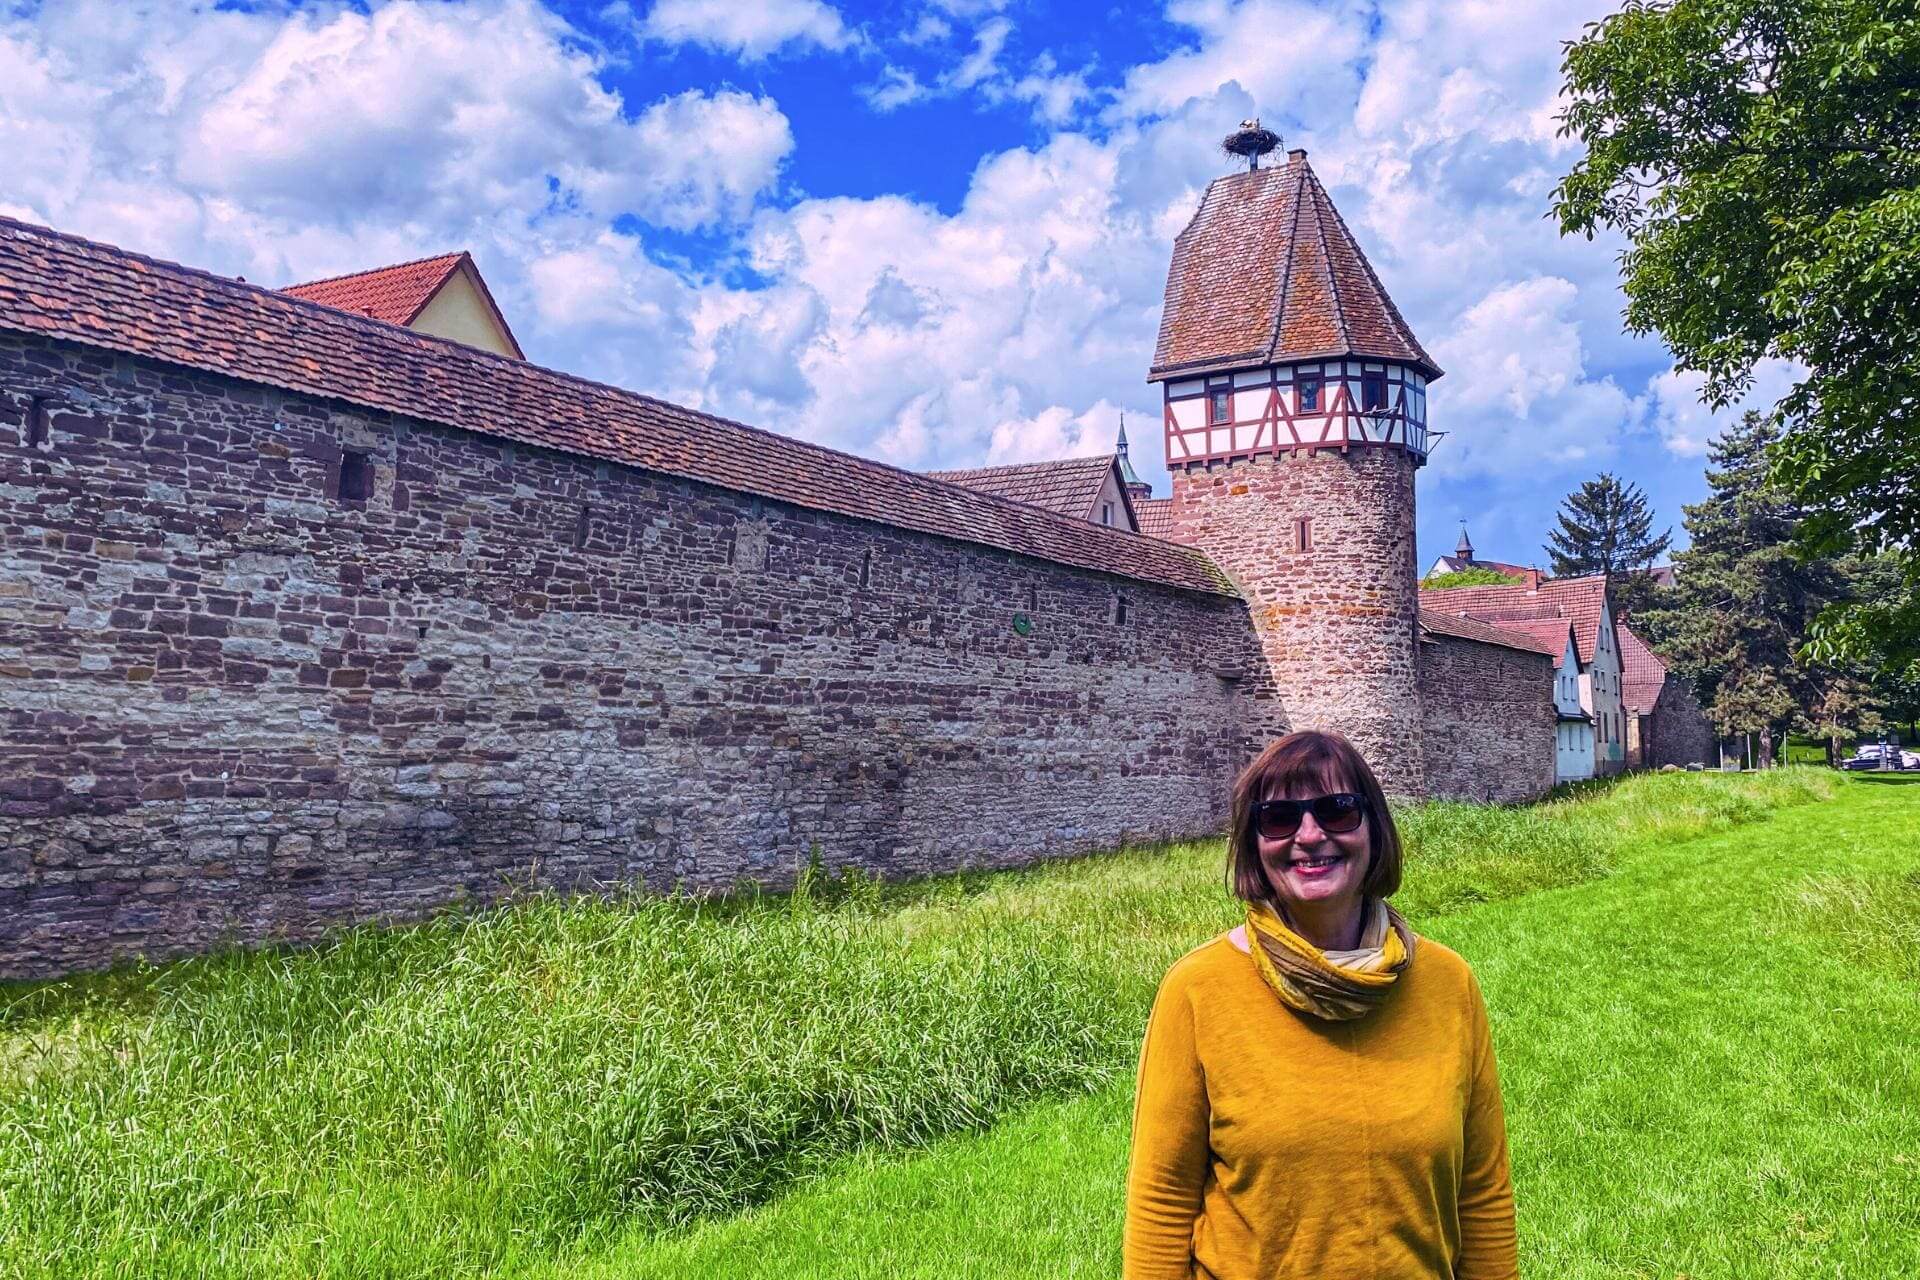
1093,489
442,296
1462,559
1542,611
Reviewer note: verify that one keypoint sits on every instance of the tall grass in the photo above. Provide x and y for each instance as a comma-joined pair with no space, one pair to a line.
488,1086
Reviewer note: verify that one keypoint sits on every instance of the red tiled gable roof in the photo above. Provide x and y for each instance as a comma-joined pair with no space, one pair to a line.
1267,272
1579,600
56,286
1434,622
1155,516
1642,674
1070,486
398,294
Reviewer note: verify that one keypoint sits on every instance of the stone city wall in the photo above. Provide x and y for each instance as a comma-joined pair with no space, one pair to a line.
239,706
1489,731
1680,732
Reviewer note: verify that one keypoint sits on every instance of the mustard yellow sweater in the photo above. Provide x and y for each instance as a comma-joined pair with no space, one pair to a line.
1269,1145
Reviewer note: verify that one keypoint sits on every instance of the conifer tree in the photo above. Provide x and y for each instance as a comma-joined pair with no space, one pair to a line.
1735,623
1605,527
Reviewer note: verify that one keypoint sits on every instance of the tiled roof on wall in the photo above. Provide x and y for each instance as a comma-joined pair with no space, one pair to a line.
1580,600
63,287
1448,624
1267,272
1068,485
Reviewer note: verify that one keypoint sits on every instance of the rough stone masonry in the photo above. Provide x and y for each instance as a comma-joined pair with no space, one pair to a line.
239,705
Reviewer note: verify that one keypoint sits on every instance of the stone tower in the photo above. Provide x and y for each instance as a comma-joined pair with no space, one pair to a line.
1296,415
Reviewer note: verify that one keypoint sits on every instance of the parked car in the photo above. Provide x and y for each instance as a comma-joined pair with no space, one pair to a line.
1872,755
1881,755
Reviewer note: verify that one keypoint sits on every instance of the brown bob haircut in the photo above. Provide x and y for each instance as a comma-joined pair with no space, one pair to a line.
1304,765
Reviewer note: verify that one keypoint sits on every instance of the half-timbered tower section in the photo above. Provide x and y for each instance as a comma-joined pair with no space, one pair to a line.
1295,414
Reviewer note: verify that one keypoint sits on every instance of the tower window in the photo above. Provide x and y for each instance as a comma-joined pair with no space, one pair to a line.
1220,406
1373,391
581,526
1310,394
37,423
1119,610
1303,533
866,567
356,477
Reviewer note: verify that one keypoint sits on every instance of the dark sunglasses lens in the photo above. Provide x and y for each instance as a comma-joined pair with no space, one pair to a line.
1276,819
1338,814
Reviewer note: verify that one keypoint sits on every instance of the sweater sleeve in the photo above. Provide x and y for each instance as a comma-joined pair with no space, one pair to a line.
1488,1247
1166,1176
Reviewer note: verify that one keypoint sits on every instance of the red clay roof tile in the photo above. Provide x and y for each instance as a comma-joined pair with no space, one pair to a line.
1435,622
63,287
1579,600
1070,486
1267,272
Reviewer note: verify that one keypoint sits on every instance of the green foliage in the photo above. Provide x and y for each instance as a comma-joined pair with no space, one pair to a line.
1762,158
1736,621
1677,1106
1605,527
483,1090
1468,578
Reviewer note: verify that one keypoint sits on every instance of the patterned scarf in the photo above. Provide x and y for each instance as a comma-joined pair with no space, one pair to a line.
1337,986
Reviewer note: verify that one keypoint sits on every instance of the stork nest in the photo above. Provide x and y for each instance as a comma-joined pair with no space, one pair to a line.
1250,142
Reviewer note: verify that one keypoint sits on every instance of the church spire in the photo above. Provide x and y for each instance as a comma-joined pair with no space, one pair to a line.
1463,550
1136,487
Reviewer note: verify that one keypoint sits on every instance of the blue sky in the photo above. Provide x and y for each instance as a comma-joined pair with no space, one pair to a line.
932,232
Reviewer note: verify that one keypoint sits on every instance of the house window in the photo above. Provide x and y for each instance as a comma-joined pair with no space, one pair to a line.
1303,533
356,477
1106,513
1309,394
866,567
1373,391
1119,610
1220,406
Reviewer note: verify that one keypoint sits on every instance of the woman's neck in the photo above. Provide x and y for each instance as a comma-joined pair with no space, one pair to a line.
1334,926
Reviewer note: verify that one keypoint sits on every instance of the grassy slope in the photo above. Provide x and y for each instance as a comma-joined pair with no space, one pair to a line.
472,1095
1709,1068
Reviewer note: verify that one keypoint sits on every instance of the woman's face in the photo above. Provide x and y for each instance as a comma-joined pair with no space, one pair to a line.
1312,868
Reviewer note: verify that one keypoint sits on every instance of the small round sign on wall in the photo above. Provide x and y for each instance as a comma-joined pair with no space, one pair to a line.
1022,624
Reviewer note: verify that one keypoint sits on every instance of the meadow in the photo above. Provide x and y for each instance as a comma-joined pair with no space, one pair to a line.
1702,986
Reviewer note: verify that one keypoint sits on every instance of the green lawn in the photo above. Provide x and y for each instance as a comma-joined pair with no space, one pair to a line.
1701,985
1710,1069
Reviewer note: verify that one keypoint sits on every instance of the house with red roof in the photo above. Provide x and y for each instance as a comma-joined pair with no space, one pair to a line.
442,296
1545,610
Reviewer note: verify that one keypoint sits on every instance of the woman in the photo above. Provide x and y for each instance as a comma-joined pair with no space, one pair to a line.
1317,1095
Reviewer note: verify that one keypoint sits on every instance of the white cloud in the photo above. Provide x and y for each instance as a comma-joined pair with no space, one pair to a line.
751,30
1518,391
1284,53
1687,426
989,38
1056,432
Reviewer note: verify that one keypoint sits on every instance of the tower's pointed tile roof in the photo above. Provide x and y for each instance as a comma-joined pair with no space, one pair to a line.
1267,272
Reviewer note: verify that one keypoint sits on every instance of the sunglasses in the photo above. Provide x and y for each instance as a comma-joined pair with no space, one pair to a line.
1335,814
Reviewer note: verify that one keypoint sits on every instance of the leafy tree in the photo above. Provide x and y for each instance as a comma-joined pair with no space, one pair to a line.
1607,527
1762,159
1737,616
1468,578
